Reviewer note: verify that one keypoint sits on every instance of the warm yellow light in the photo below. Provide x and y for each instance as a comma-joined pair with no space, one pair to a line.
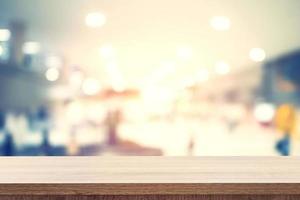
113,72
107,51
119,87
52,74
203,75
95,20
91,86
184,53
76,79
157,94
53,61
189,82
165,69
4,35
75,112
257,54
168,66
115,76
222,68
220,23
264,112
31,48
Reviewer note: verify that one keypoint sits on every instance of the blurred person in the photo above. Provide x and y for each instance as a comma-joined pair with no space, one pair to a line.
43,119
73,147
285,121
112,123
8,146
8,143
191,146
2,121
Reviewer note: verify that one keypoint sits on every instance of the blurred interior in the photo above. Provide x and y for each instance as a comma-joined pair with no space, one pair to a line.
149,78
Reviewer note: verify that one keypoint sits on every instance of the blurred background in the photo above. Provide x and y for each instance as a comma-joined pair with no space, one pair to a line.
141,77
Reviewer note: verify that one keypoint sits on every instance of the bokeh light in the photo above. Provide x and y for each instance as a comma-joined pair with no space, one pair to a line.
31,48
264,112
220,23
1,50
91,86
76,79
205,80
222,68
54,61
203,75
52,74
184,53
107,51
95,19
4,35
257,54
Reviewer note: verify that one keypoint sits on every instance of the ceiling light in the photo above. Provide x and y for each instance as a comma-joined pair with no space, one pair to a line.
257,54
4,35
76,78
184,53
203,75
1,51
222,68
107,51
54,61
31,48
95,20
264,112
91,86
52,74
220,23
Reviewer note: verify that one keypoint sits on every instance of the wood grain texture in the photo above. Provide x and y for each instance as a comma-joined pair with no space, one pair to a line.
145,177
150,170
150,189
156,197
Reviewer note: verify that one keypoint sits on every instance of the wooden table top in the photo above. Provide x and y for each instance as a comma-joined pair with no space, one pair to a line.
148,175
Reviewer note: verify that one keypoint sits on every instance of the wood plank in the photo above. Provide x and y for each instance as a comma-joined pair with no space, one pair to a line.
149,176
150,189
154,197
150,170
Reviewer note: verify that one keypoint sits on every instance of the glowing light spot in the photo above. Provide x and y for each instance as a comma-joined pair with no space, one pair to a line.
264,112
54,61
91,86
116,77
189,82
222,68
95,20
119,87
1,50
107,51
257,54
75,112
167,67
220,23
76,79
4,35
184,53
203,75
52,74
31,48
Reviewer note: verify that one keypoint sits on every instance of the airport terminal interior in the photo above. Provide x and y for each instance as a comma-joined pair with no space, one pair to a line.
149,78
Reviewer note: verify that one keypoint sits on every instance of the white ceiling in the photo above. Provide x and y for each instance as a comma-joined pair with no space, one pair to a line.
147,32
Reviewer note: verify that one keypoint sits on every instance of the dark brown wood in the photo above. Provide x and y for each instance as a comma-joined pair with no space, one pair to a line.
150,189
157,197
